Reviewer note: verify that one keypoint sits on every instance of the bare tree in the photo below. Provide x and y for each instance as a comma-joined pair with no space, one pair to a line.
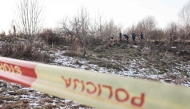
101,25
141,27
111,28
172,29
78,27
98,26
149,24
29,16
184,16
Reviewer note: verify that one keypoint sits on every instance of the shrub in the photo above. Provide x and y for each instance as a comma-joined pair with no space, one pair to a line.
2,34
75,49
25,50
51,37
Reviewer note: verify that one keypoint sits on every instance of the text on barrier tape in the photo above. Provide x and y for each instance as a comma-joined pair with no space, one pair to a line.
95,89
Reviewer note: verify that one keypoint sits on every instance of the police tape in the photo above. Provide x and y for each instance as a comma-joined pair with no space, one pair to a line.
98,90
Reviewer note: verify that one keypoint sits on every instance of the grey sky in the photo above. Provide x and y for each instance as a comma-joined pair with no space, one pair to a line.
123,12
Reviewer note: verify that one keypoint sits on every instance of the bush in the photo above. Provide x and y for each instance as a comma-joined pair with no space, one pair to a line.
51,37
2,34
25,50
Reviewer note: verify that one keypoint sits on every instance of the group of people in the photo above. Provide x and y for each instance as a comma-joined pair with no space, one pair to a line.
133,36
127,37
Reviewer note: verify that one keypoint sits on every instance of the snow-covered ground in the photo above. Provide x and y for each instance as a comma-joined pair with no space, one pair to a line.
132,69
27,98
14,96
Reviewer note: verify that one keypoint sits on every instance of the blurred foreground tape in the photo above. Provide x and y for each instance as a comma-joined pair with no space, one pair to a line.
98,90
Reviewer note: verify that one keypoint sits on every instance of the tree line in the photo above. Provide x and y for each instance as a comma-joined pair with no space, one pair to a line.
29,21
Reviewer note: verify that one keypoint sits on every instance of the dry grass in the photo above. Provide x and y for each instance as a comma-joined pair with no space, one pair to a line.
73,53
25,50
162,58
21,92
78,63
106,64
75,49
18,105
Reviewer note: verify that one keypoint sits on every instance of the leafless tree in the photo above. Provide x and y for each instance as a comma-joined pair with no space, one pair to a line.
29,16
172,29
101,25
78,27
184,16
140,27
98,26
149,24
111,28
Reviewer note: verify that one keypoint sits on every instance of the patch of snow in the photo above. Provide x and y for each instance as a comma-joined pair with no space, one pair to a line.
153,76
65,101
33,104
135,46
173,47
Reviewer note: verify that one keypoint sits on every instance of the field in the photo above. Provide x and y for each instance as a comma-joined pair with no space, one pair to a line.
154,61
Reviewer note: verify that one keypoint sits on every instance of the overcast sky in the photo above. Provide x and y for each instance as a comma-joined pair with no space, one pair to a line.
123,12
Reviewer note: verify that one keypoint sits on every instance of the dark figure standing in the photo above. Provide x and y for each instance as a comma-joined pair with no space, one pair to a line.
171,43
14,30
170,38
142,36
120,36
126,37
133,36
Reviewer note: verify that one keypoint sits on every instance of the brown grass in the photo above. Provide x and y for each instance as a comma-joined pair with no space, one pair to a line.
106,64
25,50
75,49
21,92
